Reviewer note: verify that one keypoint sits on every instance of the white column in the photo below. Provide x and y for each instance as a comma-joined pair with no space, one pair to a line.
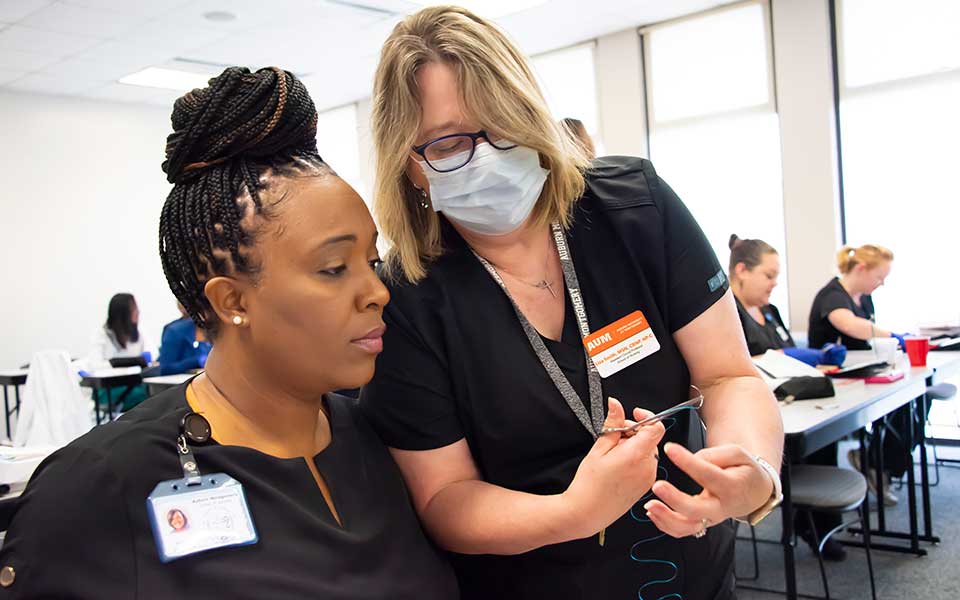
365,149
804,84
620,89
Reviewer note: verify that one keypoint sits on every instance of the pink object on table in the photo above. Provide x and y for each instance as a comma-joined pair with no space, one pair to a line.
885,378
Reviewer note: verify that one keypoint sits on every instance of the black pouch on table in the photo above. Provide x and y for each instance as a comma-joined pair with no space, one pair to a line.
805,388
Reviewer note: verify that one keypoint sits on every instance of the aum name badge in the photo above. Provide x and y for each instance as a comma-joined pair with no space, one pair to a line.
621,344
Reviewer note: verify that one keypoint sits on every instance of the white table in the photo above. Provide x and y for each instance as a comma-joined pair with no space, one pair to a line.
945,365
12,378
163,382
808,428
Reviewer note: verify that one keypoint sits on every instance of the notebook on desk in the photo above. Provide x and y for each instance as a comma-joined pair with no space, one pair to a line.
860,370
945,344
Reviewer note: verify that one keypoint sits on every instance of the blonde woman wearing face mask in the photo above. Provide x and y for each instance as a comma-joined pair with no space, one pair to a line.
510,263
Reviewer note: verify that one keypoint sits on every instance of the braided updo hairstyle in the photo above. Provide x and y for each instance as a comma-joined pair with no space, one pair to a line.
229,140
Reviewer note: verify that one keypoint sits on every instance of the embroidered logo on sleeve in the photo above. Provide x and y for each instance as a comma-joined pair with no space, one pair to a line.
716,282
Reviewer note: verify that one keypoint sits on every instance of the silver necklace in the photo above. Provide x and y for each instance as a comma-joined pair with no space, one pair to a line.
543,284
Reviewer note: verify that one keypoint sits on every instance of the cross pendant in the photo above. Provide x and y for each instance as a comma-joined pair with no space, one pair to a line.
546,285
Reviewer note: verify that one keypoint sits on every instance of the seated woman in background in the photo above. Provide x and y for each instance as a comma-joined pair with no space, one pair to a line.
249,481
843,311
183,346
120,337
754,269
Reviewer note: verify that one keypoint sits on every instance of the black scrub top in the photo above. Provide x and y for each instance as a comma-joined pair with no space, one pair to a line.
772,335
81,529
457,365
832,296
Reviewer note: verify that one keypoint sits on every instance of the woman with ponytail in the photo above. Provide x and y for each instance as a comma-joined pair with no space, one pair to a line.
754,269
284,490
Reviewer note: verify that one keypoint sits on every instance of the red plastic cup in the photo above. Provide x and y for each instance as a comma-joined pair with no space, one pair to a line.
917,349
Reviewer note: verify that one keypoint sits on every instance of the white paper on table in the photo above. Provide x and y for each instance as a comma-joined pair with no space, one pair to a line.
780,366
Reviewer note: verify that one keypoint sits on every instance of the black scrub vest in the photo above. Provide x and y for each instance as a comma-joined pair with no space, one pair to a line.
457,365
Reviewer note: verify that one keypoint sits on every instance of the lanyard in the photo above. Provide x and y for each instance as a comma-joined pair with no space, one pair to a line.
592,421
194,427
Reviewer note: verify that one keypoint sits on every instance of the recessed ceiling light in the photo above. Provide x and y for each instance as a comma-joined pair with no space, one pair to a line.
168,79
219,16
490,9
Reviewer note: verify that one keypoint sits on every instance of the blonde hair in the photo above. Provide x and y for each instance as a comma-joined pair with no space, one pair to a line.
497,88
868,255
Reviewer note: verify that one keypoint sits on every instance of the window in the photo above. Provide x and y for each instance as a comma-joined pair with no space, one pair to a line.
338,143
714,133
568,80
900,89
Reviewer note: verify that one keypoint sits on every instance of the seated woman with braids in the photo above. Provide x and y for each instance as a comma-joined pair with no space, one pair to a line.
251,480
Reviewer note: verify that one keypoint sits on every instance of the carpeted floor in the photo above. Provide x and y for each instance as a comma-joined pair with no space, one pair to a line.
933,577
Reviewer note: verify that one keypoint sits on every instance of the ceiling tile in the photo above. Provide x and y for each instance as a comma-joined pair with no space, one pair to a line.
81,20
119,92
44,84
24,61
7,75
173,40
342,83
76,68
128,55
25,39
12,11
142,8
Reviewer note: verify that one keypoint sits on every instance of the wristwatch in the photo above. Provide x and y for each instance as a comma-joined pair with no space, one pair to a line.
775,498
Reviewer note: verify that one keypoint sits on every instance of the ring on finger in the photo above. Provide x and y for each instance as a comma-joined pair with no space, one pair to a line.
704,523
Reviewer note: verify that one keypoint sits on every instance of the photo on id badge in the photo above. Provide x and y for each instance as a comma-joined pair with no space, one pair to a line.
192,518
622,343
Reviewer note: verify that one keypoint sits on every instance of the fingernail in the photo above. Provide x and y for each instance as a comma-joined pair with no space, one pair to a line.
667,446
647,506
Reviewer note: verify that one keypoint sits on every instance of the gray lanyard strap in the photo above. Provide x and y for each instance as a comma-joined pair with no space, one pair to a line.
594,425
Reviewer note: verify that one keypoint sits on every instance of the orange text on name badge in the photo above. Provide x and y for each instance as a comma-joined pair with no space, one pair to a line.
615,332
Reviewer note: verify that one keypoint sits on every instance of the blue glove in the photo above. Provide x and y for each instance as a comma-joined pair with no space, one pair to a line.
900,336
833,354
147,357
807,355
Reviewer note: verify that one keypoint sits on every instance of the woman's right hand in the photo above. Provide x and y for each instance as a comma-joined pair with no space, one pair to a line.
614,475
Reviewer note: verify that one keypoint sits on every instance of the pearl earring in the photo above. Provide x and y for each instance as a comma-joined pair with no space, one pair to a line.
237,320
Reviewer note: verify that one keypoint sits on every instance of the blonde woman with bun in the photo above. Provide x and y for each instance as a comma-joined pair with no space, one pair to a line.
842,311
511,261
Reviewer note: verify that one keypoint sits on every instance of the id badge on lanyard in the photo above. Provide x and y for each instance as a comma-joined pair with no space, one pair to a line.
197,512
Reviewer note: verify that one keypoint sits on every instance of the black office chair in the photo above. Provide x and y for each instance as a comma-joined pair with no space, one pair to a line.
825,489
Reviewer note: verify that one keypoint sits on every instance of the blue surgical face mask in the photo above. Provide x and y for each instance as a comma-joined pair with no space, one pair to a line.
493,194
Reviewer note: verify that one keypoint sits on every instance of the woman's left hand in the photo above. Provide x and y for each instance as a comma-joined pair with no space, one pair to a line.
734,485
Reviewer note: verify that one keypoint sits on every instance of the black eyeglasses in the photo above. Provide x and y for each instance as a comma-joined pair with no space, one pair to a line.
450,152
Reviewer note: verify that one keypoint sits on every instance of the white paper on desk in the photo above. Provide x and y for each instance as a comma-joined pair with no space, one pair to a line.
116,372
781,366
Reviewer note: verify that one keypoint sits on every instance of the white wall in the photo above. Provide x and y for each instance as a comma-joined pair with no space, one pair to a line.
804,83
79,213
620,93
